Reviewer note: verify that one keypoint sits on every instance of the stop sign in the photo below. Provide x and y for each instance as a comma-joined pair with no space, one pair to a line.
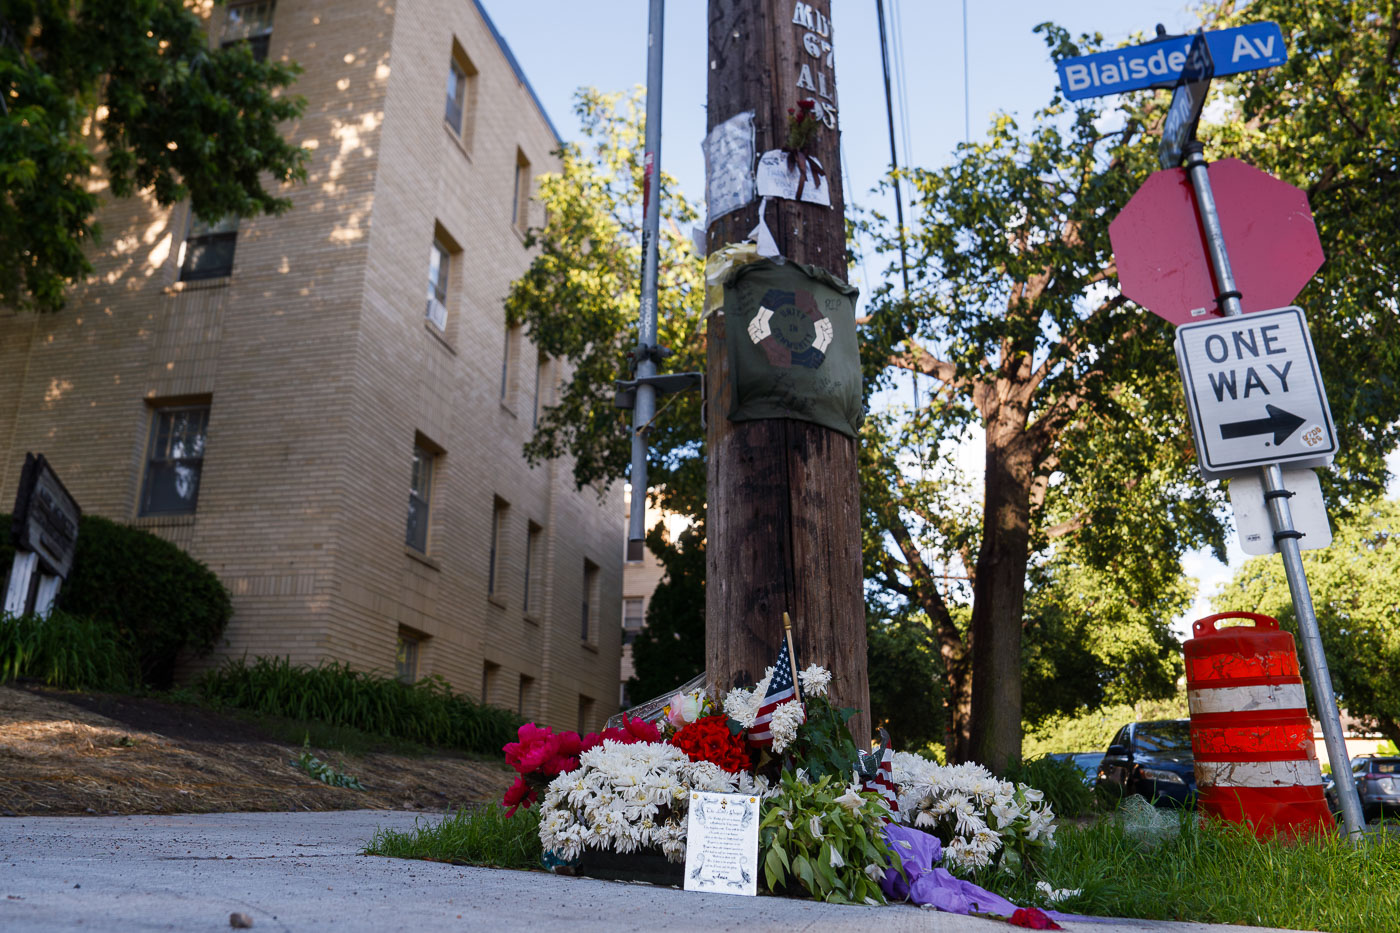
1160,246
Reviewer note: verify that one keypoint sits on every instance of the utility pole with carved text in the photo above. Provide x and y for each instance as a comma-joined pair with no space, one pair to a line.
783,518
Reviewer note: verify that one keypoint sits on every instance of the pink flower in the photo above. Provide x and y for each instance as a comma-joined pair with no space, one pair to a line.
1034,918
517,794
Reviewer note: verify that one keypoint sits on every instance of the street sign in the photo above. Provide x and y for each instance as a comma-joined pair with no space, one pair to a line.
1157,64
1188,99
1160,247
1252,521
1254,393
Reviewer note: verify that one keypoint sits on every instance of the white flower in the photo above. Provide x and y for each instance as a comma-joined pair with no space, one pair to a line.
851,799
836,860
814,825
815,680
786,719
874,872
1055,895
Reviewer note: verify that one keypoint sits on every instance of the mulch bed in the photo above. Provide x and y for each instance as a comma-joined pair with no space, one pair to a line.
75,753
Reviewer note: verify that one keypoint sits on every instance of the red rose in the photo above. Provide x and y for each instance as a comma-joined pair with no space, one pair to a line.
1034,918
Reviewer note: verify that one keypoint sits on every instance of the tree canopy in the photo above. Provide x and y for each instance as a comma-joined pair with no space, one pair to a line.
128,90
1358,609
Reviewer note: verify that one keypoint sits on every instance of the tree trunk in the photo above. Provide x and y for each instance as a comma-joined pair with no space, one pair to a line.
999,593
957,744
783,514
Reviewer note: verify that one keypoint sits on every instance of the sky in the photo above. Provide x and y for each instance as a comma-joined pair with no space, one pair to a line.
565,45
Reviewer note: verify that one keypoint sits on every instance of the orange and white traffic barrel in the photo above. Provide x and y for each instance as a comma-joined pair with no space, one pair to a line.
1251,737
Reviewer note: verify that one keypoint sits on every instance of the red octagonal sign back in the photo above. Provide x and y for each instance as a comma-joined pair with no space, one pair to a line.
1160,246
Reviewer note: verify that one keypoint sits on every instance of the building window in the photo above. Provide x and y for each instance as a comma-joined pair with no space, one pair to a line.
461,94
633,618
520,206
406,656
533,535
439,265
488,680
585,714
526,698
508,364
208,249
419,498
499,511
175,460
250,23
590,600
541,384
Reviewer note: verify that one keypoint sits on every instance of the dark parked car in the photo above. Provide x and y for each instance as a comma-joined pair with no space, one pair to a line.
1088,762
1152,759
1377,784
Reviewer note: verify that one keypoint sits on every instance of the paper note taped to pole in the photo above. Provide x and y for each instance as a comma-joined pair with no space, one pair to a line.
777,180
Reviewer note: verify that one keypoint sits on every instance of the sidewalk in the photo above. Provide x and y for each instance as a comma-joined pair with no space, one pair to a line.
303,872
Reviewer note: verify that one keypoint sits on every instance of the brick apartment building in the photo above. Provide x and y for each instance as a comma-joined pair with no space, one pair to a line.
327,407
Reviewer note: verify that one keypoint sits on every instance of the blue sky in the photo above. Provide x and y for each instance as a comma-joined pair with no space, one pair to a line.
565,45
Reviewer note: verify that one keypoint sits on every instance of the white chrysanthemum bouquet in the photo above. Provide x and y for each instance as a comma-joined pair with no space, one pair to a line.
981,821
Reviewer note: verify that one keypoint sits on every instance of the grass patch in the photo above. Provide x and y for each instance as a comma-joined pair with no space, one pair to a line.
64,650
427,713
483,835
1216,872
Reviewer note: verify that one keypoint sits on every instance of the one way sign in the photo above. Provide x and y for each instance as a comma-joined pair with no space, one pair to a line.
1254,392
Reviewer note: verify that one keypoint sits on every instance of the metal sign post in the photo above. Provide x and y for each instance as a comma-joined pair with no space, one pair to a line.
1281,517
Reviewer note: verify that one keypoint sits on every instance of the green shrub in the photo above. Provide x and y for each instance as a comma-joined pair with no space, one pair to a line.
64,650
159,600
427,712
1061,781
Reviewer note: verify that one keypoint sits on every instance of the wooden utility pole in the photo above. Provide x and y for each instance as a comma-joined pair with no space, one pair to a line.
783,521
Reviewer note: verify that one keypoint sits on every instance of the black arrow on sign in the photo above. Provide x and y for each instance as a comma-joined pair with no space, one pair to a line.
1281,423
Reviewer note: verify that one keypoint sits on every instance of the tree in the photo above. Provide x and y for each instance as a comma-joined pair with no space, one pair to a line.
1073,391
1328,121
136,81
579,298
1358,611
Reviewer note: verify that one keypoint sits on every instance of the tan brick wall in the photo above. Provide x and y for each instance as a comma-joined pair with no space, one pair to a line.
323,369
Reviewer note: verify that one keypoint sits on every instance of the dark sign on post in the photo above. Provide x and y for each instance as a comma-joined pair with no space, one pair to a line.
46,517
1188,100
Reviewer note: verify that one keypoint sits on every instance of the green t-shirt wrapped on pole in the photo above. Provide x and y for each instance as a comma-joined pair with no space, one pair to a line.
791,335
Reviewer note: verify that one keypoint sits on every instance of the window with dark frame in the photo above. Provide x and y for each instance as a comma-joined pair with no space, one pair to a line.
533,534
456,95
499,509
439,266
419,499
520,206
526,696
250,23
209,248
488,680
508,357
406,656
590,599
585,714
175,460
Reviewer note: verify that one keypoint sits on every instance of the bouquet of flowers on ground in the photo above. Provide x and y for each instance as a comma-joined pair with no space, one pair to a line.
540,755
630,797
982,822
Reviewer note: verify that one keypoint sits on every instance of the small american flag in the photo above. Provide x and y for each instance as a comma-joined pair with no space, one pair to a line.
781,689
882,782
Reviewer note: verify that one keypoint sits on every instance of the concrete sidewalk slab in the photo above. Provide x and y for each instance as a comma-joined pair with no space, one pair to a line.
304,872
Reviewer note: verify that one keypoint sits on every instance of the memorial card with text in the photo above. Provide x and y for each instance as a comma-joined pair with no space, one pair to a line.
721,850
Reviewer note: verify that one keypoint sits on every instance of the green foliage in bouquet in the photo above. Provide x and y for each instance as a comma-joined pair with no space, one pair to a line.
826,839
823,746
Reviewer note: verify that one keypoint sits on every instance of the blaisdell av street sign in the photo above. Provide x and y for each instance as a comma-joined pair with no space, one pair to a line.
1254,393
1159,63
